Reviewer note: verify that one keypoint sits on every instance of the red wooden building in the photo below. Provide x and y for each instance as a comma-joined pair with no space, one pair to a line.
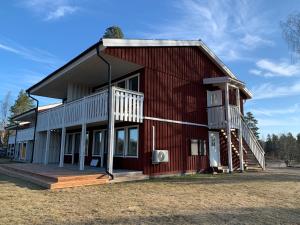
171,107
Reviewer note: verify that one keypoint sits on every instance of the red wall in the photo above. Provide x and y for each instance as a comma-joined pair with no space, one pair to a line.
172,82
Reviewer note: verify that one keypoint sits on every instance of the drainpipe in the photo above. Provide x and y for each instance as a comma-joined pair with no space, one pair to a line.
35,124
108,97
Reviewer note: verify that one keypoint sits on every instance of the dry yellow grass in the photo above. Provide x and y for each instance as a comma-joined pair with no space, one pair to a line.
250,198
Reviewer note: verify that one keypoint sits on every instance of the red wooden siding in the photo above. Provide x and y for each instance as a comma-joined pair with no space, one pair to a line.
172,82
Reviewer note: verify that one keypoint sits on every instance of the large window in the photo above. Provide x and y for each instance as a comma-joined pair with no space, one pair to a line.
126,142
132,141
73,143
120,142
97,143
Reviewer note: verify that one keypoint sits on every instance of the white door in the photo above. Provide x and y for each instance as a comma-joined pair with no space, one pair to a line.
214,149
214,98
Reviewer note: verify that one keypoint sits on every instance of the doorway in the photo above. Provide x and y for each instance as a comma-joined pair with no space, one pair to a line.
214,149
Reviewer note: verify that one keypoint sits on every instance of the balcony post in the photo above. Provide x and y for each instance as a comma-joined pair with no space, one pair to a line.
240,133
228,128
62,147
83,136
111,130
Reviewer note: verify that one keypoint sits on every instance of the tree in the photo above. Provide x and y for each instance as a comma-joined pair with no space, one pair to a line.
4,108
252,123
291,31
22,104
113,32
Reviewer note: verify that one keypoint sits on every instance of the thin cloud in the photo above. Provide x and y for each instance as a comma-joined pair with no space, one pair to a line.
268,90
51,10
269,68
224,25
281,111
33,54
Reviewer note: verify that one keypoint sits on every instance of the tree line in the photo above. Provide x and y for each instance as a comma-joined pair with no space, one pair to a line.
284,147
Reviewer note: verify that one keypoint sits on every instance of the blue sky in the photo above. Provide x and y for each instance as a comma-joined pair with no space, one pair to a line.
38,36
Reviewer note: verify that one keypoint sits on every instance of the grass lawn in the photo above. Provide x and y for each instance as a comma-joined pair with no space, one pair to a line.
272,197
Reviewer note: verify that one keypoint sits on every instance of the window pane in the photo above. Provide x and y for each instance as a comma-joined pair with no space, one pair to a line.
121,84
120,142
68,147
132,142
97,143
134,84
77,143
87,143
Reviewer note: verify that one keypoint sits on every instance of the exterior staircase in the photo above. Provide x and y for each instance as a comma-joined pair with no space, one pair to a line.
251,163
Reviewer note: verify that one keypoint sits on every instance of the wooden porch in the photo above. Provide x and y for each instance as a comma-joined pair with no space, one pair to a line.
53,177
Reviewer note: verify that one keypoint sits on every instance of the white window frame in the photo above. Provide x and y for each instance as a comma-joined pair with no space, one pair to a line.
102,143
126,130
73,134
119,81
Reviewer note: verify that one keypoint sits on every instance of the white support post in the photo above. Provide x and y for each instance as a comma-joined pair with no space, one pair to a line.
82,147
83,137
63,139
111,131
228,128
62,147
240,132
47,147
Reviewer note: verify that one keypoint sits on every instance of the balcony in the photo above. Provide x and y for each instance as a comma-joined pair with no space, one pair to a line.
22,135
127,106
216,116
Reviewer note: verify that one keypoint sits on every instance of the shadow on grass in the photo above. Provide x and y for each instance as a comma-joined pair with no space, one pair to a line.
7,180
259,215
234,178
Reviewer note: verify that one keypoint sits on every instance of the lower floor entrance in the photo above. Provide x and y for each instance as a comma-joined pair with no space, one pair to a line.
214,149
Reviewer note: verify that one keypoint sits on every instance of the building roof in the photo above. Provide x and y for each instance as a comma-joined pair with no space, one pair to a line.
103,43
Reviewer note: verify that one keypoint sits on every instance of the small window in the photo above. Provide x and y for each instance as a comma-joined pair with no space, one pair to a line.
202,144
134,84
132,141
120,142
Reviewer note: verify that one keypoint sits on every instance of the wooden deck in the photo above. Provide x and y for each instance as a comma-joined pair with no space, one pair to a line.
53,177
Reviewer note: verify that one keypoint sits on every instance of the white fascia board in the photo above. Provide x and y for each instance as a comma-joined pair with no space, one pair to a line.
109,42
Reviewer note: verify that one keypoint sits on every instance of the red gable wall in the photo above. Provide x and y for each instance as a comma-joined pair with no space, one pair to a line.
172,82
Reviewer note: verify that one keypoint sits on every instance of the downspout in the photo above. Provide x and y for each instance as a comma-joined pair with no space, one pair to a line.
35,124
108,96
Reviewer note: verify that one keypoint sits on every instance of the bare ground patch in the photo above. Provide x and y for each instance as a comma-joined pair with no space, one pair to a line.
250,198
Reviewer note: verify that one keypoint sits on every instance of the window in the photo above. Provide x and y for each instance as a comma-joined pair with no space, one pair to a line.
132,149
69,144
120,142
126,142
133,84
87,143
121,84
97,143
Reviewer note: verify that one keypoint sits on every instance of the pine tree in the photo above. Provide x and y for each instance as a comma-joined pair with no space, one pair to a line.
113,32
252,123
22,104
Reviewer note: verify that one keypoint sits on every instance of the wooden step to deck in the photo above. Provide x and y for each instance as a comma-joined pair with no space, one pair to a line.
129,176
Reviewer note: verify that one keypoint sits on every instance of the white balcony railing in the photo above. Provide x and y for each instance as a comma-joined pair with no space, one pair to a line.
128,106
22,135
216,116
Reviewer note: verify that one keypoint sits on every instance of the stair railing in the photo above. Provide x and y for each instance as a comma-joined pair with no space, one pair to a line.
253,143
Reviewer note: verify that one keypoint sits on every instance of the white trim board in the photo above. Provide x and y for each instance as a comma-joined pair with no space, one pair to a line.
175,121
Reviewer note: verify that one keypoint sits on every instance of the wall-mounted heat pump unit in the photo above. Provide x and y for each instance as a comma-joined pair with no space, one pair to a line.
159,156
